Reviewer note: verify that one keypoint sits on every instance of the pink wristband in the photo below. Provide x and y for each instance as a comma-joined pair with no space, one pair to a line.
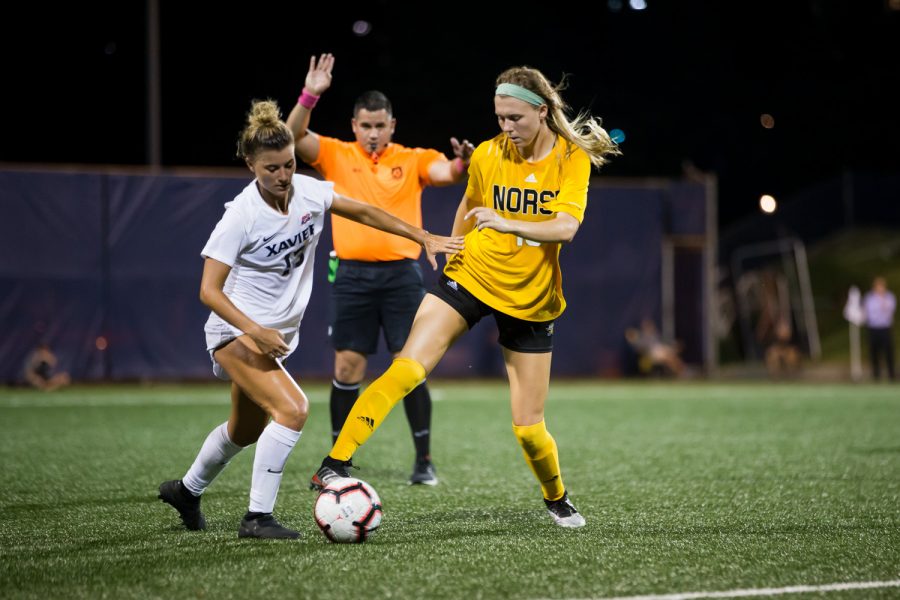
307,100
461,166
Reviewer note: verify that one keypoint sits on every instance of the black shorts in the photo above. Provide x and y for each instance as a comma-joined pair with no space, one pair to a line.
370,296
515,334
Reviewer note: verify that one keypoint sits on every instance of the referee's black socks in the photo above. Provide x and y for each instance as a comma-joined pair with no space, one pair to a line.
418,411
343,396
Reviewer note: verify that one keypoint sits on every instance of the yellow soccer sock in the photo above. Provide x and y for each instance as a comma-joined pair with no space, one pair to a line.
375,403
542,456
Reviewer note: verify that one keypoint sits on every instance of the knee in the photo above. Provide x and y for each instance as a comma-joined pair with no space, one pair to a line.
346,374
292,414
406,374
525,416
349,367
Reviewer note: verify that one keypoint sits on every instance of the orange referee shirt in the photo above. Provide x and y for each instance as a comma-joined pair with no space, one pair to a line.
393,183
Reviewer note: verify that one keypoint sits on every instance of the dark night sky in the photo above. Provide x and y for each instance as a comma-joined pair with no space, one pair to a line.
684,80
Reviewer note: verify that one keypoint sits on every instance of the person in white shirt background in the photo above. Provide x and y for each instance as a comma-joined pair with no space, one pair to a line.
879,305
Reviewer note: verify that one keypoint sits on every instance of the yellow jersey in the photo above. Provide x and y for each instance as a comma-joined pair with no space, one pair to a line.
392,182
519,277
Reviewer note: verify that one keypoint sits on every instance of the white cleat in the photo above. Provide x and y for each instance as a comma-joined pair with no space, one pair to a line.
564,512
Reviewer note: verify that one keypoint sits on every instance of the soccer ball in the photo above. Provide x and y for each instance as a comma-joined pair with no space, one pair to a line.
348,510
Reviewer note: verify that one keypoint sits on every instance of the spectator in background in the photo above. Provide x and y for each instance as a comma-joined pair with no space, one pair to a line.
40,370
782,355
879,305
656,357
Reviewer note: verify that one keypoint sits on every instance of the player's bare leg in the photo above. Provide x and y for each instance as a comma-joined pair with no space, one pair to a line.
529,382
272,390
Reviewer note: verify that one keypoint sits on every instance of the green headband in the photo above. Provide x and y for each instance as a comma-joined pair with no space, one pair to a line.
517,91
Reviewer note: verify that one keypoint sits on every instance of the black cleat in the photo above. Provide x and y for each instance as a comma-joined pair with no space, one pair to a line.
564,513
423,473
331,470
188,505
265,527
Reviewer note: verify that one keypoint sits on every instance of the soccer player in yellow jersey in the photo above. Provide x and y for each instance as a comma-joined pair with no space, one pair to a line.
378,285
525,198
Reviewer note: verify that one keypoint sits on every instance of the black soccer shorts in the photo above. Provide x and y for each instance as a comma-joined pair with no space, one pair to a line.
517,335
367,297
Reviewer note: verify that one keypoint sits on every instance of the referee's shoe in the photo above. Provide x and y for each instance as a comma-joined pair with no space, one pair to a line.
423,473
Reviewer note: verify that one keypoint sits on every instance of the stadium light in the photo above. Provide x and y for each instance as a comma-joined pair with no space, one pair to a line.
767,204
362,28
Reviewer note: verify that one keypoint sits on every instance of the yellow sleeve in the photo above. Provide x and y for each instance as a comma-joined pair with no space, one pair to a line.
572,196
475,187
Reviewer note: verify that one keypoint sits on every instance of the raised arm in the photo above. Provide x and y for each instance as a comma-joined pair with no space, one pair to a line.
446,172
379,219
318,79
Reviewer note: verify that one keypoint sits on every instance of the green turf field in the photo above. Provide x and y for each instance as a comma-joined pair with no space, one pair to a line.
686,487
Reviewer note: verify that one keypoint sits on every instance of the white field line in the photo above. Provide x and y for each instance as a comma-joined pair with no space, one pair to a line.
795,589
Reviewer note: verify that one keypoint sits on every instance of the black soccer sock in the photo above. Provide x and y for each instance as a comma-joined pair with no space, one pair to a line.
343,395
418,411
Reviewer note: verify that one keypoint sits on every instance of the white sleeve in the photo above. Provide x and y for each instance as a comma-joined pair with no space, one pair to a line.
322,190
328,194
228,238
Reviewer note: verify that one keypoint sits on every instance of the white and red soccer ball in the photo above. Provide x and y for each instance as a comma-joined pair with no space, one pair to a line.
348,510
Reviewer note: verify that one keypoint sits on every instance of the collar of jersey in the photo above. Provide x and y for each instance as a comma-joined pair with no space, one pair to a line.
387,152
553,150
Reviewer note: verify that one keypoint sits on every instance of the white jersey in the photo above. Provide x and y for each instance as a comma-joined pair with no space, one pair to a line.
271,256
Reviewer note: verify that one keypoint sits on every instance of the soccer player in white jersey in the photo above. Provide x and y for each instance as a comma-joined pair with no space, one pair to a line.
257,279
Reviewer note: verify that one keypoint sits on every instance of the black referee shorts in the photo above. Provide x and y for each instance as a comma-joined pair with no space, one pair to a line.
515,334
370,296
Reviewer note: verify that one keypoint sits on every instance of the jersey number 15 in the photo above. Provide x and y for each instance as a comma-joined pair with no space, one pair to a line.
292,261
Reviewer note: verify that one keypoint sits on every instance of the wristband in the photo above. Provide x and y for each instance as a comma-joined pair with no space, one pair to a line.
461,166
307,100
